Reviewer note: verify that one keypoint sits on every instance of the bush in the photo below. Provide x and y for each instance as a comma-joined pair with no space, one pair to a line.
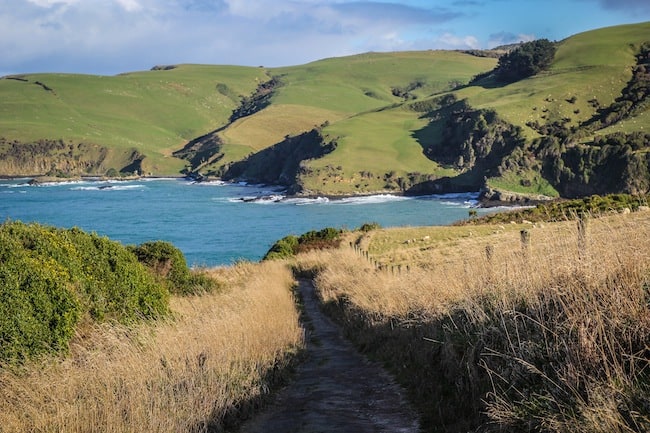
50,278
291,245
368,227
165,260
282,249
526,60
169,266
39,310
326,234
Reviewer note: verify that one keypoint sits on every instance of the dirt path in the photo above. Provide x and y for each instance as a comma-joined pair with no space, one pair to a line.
335,389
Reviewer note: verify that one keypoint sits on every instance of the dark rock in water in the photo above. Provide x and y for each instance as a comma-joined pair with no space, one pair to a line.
195,176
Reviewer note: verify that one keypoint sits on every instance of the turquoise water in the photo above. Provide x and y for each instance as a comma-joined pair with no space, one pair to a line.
212,223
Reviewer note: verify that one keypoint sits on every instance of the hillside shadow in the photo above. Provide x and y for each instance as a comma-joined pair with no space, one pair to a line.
470,181
428,136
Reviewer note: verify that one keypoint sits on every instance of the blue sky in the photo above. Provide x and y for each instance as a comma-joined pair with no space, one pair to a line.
111,36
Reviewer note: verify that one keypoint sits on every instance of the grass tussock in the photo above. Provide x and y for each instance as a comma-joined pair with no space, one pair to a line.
200,371
550,335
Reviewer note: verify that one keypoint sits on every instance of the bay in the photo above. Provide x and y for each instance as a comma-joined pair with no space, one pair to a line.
213,223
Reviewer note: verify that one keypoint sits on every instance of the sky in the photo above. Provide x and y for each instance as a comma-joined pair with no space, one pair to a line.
107,37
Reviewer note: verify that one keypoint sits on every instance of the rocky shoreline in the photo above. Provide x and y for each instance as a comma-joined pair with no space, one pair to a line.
487,197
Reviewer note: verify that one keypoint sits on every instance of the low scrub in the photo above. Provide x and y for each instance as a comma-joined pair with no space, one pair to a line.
547,335
168,264
52,279
567,209
291,245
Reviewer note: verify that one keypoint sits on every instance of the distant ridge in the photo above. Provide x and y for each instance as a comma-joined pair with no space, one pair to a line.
407,122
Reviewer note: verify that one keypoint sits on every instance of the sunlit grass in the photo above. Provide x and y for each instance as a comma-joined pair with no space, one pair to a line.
271,125
510,334
212,363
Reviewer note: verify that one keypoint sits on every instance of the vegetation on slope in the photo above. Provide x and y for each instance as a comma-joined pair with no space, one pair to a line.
54,280
510,142
565,114
290,245
331,95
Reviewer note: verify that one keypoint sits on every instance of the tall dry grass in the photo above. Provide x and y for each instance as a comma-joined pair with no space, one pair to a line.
201,370
552,337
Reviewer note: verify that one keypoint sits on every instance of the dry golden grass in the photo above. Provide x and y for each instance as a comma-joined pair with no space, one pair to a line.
449,268
552,337
218,353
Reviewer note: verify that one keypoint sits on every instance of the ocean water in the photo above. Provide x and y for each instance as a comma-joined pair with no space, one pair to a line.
212,223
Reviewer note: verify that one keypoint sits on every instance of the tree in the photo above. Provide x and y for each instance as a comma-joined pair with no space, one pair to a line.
526,60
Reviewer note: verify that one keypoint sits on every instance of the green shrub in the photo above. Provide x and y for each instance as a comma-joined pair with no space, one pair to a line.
166,261
291,245
326,234
169,266
368,227
38,308
50,278
282,249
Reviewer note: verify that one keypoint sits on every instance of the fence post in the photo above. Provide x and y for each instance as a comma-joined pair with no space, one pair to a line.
583,224
489,253
525,242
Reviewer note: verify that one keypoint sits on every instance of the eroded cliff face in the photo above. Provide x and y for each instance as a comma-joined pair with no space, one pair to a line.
65,159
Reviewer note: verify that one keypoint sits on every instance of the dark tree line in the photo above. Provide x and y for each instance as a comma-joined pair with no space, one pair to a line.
526,60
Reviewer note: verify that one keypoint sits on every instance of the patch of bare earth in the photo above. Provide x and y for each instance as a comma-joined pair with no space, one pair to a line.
336,389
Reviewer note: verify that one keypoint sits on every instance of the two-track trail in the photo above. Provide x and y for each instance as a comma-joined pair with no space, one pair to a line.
336,389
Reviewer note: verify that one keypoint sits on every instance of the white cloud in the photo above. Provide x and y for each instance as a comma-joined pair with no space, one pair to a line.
50,3
506,38
451,41
112,36
130,5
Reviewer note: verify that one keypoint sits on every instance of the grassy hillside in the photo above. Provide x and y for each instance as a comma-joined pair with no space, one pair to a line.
346,93
587,66
157,112
407,121
397,135
153,112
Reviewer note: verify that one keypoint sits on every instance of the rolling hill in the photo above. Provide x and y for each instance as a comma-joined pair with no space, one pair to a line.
412,122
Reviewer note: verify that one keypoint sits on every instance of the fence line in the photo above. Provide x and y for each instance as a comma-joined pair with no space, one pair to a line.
393,269
525,244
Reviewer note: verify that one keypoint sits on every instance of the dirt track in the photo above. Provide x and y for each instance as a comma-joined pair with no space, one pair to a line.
335,389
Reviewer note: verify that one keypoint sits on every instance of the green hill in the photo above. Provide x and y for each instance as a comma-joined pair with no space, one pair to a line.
414,122
150,113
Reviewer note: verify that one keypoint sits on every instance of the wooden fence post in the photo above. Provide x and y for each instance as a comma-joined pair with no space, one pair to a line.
583,224
525,242
489,253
